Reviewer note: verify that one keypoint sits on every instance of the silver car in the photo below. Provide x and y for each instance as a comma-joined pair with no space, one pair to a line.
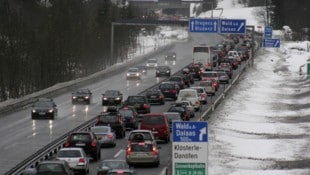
76,159
105,135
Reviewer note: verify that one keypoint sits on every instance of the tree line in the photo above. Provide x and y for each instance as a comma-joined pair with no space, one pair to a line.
44,42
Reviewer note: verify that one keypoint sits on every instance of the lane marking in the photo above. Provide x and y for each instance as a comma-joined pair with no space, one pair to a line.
118,153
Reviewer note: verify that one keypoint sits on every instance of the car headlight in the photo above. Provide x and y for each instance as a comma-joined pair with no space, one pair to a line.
137,74
157,71
50,111
128,74
86,97
156,64
147,64
74,97
104,98
168,71
33,110
117,98
173,56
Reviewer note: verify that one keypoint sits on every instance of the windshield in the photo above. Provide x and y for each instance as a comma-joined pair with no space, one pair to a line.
69,153
187,94
43,104
111,93
153,120
152,61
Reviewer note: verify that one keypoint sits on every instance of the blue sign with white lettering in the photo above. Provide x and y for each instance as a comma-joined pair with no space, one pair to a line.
271,43
203,25
236,26
268,32
190,131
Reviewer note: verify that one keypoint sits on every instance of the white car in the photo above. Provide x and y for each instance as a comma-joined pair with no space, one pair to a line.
234,54
202,93
191,95
133,73
151,63
76,158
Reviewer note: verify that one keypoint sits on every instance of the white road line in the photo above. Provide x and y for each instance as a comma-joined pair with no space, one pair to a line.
118,153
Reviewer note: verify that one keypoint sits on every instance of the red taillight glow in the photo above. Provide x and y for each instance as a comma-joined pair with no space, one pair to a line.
93,143
81,160
173,91
110,136
146,106
67,144
155,151
128,152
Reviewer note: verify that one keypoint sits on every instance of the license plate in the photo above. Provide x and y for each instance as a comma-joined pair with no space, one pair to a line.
41,113
141,154
80,144
155,132
80,99
137,105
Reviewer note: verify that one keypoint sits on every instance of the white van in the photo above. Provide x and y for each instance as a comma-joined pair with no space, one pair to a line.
191,95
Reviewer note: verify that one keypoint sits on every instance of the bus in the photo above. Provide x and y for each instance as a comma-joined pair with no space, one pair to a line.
205,55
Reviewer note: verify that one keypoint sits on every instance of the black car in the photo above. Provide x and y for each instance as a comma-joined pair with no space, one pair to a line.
130,117
86,140
140,103
81,95
171,56
114,120
185,116
179,80
50,167
111,164
44,108
155,96
169,89
187,79
112,97
195,70
163,71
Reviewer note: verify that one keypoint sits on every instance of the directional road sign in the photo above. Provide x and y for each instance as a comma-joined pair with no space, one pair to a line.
203,25
268,32
271,43
235,26
190,148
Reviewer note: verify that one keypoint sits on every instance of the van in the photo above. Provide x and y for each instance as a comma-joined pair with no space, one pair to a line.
191,95
158,124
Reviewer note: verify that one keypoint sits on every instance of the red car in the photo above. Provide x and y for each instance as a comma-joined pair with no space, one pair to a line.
158,124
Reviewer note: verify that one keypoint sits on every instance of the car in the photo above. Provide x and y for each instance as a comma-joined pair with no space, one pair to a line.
228,70
141,151
151,63
44,108
133,73
130,117
191,95
112,97
105,135
158,124
209,85
139,102
188,106
202,93
76,158
107,165
181,109
122,172
50,167
147,135
206,75
86,140
187,79
195,70
155,96
234,54
114,120
81,95
171,56
162,71
171,117
142,68
179,80
169,89
223,77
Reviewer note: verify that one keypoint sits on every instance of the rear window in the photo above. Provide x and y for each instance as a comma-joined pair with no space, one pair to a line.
153,120
152,93
187,94
199,90
80,137
209,74
69,153
108,118
100,129
205,83
175,79
51,167
141,147
119,173
126,113
147,136
136,99
166,86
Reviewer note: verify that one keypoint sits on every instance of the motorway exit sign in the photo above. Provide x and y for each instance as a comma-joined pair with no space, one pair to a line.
271,43
189,148
234,26
268,32
203,25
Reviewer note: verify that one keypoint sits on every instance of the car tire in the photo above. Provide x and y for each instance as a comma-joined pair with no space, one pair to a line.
157,164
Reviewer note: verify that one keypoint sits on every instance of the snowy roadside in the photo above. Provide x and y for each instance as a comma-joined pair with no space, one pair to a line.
263,125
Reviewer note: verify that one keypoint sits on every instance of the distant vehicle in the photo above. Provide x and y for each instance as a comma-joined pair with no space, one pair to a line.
142,68
223,77
195,70
158,124
171,56
202,93
163,71
105,135
155,96
184,113
172,116
179,80
76,157
44,108
114,120
108,165
188,79
81,95
191,95
234,54
86,140
139,102
188,106
209,85
206,55
213,75
50,167
151,63
169,89
130,117
112,97
133,73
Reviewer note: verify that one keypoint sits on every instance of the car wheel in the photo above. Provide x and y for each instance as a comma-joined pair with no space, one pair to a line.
157,164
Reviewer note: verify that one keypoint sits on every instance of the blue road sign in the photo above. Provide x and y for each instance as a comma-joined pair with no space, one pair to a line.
235,26
271,43
268,32
190,131
203,25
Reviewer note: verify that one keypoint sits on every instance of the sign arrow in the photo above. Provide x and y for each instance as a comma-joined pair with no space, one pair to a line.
215,25
203,131
192,25
242,25
276,43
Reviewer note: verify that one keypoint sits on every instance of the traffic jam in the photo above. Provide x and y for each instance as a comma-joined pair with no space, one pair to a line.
134,121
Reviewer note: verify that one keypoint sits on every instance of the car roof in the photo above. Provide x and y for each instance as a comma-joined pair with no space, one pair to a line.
71,148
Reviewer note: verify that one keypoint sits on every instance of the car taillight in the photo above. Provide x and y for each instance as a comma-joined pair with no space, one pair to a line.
81,160
173,91
128,152
93,143
146,106
203,95
110,136
155,151
197,102
161,97
67,144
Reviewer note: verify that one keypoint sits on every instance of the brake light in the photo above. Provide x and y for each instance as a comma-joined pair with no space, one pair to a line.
197,102
110,136
173,91
155,151
161,97
146,106
119,120
67,144
93,143
81,160
128,152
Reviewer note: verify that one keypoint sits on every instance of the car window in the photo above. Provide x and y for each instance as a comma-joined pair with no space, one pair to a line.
43,104
118,173
126,113
152,120
69,153
152,61
111,93
175,79
141,147
166,86
114,164
133,70
80,137
108,118
100,129
152,92
51,167
147,136
136,99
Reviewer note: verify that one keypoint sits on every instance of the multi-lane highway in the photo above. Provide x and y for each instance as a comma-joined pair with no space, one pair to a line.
21,136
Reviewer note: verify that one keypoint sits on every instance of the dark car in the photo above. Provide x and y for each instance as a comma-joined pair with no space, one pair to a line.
44,108
179,80
130,117
155,96
142,68
188,79
139,102
223,77
163,71
169,89
171,56
172,116
81,95
158,124
50,167
114,120
122,172
195,70
182,110
86,140
112,97
107,165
